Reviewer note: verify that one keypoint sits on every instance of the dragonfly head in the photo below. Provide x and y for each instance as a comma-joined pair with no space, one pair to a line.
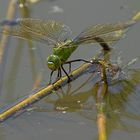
53,62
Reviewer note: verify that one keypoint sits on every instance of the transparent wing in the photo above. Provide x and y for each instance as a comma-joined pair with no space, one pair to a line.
109,39
50,32
103,33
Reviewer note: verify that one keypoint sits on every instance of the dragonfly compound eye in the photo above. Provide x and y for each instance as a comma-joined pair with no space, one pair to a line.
53,62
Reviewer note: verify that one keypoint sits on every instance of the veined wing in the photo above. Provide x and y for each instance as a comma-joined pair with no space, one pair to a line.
101,33
50,32
109,39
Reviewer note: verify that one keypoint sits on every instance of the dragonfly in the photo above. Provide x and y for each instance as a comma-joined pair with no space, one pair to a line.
58,35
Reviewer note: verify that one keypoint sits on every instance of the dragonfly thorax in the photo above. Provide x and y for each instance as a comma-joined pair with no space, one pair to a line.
53,62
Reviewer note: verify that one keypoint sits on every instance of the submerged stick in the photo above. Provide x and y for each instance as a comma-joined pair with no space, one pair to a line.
43,92
101,122
101,90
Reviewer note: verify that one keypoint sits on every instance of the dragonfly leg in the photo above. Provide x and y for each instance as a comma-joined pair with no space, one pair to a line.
76,60
59,74
69,67
66,74
69,62
51,76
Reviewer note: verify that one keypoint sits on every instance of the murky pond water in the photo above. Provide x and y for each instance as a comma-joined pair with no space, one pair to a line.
70,113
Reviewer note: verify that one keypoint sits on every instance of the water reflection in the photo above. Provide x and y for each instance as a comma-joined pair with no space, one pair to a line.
121,102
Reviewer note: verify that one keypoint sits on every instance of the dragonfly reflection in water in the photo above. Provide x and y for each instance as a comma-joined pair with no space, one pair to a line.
56,34
119,105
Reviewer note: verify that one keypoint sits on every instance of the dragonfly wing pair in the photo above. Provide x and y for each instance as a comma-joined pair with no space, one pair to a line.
52,32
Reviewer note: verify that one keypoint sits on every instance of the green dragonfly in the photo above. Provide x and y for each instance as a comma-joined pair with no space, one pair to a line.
57,34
